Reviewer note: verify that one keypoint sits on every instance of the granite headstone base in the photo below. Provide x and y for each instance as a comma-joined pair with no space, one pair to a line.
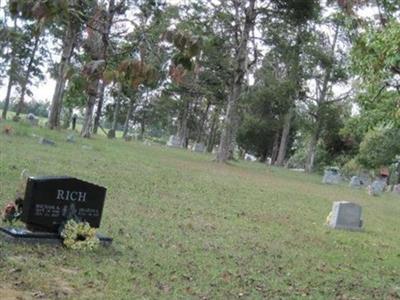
18,235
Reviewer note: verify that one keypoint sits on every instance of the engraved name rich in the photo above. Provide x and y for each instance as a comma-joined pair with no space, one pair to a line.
67,195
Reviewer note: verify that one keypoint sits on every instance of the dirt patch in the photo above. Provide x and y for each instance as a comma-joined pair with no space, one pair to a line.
9,293
62,289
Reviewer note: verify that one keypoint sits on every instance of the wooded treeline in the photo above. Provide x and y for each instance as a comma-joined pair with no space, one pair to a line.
298,83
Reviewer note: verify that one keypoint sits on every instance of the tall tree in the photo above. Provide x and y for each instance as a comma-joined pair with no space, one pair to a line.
243,28
72,20
97,47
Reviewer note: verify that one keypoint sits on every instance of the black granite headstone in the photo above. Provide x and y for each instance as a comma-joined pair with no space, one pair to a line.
51,201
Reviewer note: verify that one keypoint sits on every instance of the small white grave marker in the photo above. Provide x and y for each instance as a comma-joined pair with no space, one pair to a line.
345,215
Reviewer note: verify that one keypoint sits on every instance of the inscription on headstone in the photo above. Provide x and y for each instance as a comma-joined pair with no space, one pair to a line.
346,215
50,201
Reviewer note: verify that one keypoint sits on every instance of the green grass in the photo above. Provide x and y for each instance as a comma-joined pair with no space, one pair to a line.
186,227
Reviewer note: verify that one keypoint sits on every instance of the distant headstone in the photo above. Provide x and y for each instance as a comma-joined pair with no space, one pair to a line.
345,215
396,189
50,202
331,176
147,143
249,157
45,141
71,138
377,187
32,119
128,138
199,147
174,142
358,182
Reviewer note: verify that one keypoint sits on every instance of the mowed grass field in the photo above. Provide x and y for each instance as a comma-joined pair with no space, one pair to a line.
185,227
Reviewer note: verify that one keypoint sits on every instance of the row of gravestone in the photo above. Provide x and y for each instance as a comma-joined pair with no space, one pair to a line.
332,176
175,142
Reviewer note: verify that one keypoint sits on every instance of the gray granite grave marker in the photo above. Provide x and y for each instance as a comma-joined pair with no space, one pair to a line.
174,142
377,187
331,176
358,182
346,215
199,147
45,141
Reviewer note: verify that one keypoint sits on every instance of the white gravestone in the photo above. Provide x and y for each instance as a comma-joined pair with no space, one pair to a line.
357,182
174,142
331,176
199,147
346,215
396,189
249,157
377,187
32,119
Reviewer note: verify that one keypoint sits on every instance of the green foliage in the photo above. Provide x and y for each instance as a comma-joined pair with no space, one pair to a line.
379,148
298,11
376,59
75,95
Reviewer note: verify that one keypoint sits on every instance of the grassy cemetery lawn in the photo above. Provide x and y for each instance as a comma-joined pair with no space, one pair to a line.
186,227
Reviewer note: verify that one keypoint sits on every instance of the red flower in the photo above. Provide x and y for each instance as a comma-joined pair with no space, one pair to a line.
9,212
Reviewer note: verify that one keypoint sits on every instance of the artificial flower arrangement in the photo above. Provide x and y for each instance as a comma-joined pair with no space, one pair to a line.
79,236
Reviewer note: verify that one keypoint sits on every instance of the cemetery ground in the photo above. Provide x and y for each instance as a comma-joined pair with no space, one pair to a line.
187,227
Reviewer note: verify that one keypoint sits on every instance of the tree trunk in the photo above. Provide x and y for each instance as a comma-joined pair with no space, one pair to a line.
202,122
312,149
103,26
27,75
128,117
88,118
320,102
67,118
398,172
69,41
142,126
111,133
10,77
99,108
275,148
7,99
183,131
213,130
229,130
285,135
